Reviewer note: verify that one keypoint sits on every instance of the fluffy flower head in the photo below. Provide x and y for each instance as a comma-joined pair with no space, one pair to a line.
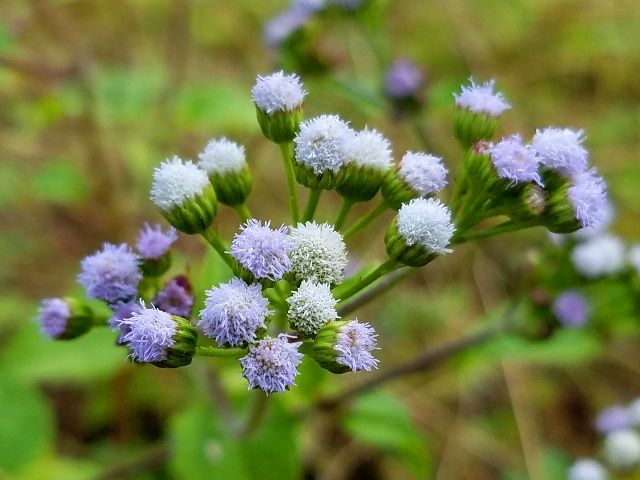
262,250
481,99
311,306
278,92
272,364
318,253
424,173
222,155
354,343
571,308
176,181
368,148
150,334
515,161
175,298
153,243
588,195
322,142
233,312
599,256
426,222
111,274
587,469
561,149
53,316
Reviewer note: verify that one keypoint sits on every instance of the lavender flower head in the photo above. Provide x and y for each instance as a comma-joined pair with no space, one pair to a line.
587,469
272,364
111,274
424,173
368,148
311,306
426,222
561,149
279,28
571,309
613,418
53,316
176,181
622,449
278,93
354,343
607,216
403,79
588,195
515,161
599,256
261,250
481,99
175,298
153,243
318,253
121,312
321,143
234,312
221,156
151,333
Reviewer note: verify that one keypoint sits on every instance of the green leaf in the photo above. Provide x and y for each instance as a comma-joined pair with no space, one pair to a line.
60,181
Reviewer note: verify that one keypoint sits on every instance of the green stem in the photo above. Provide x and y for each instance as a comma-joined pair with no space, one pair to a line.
243,212
365,220
207,351
312,204
286,148
216,242
342,214
505,227
364,281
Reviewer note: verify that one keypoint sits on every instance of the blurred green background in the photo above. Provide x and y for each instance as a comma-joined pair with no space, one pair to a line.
94,94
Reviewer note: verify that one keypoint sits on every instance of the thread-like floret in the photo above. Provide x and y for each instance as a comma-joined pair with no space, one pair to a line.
481,99
153,243
426,222
424,173
234,312
151,333
369,148
587,469
322,142
571,308
278,92
262,250
599,256
515,161
221,156
53,316
176,181
272,364
311,306
588,195
561,149
111,274
176,298
622,449
318,253
613,418
354,343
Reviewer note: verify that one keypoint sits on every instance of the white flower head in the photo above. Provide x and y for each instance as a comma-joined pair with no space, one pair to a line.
426,222
318,253
599,256
176,181
369,148
424,173
278,92
222,155
481,99
311,306
622,449
561,149
587,469
322,142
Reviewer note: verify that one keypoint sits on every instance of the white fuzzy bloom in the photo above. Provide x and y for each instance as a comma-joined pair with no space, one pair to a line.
311,306
222,155
176,181
481,99
633,258
278,92
424,173
369,148
561,149
426,222
318,253
322,142
587,469
622,449
599,256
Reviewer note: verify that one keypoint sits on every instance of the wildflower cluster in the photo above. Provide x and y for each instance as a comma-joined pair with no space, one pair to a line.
288,293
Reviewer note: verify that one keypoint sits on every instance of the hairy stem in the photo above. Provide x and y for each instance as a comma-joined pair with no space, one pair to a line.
365,280
219,246
208,351
364,221
286,148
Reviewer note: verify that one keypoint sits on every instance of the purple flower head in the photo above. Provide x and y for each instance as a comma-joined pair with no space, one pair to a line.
403,79
153,243
233,312
121,312
150,335
354,343
53,316
571,309
272,364
176,298
111,274
481,99
261,250
612,419
515,161
286,23
588,195
561,149
587,469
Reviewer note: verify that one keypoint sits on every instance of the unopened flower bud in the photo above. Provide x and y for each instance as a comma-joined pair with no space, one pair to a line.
226,165
65,318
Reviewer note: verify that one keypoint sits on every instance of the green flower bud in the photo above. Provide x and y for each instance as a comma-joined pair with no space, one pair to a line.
64,319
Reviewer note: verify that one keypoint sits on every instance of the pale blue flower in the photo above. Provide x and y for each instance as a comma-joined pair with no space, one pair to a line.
272,364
